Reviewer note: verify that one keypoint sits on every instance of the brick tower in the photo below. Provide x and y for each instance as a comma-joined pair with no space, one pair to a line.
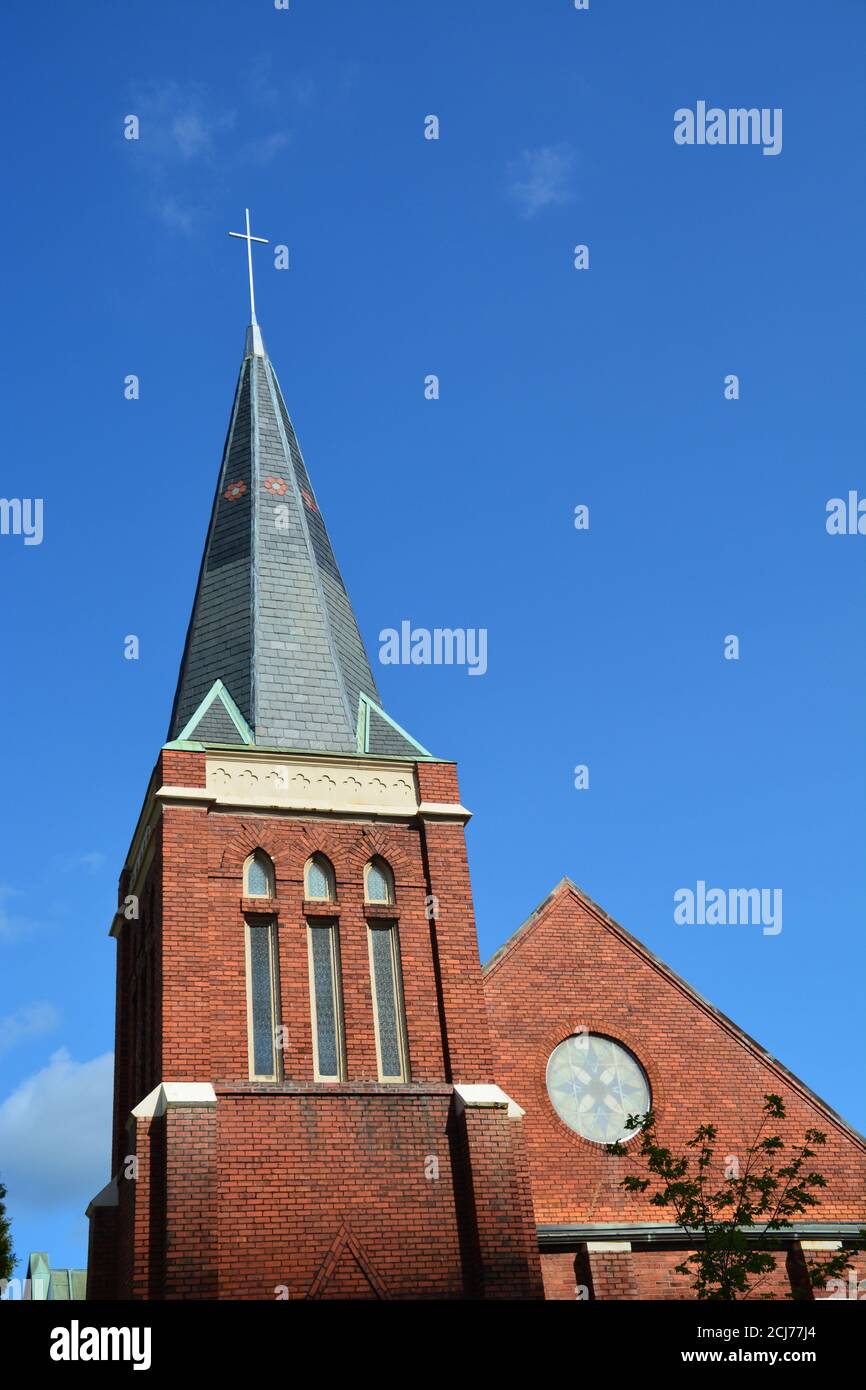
304,1101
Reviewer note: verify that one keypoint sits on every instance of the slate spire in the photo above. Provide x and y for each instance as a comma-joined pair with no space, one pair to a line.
273,654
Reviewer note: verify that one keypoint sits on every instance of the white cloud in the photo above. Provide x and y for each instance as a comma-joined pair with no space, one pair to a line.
13,926
30,1022
540,178
304,90
182,146
92,861
181,122
271,90
192,134
263,151
175,215
55,1133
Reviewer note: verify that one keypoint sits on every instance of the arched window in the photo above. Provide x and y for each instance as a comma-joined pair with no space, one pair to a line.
389,1017
326,999
378,883
262,998
258,876
261,959
319,883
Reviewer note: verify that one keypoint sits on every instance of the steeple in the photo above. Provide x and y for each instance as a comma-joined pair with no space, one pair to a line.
273,656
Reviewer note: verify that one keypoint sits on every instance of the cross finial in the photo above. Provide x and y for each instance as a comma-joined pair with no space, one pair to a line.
245,236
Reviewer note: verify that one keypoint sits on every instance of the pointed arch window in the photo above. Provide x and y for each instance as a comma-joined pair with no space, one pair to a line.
319,882
389,1017
262,997
258,876
261,971
326,1000
378,883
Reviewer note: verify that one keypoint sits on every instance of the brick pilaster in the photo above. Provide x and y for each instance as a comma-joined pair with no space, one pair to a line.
498,1227
191,1216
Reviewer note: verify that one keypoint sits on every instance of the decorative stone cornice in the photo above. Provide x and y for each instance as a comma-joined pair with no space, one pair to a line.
311,784
291,783
328,785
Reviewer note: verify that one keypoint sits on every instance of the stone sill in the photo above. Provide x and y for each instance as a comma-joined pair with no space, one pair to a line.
260,907
315,907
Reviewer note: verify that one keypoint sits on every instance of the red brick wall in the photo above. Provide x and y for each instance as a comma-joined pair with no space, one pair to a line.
102,1246
571,970
186,1015
191,1229
645,1274
438,782
137,1027
178,767
504,1261
325,1192
853,1279
655,1276
143,1191
610,1274
561,1278
294,1170
459,967
313,1189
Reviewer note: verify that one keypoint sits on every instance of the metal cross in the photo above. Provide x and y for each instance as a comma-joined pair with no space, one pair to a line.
245,236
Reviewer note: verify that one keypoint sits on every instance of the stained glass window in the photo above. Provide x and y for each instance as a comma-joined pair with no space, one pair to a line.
259,876
378,883
594,1085
261,994
325,989
319,880
388,1002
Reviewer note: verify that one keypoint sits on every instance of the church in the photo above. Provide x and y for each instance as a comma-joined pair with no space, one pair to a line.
319,1090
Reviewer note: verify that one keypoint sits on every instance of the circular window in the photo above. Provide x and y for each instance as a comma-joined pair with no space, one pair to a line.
594,1085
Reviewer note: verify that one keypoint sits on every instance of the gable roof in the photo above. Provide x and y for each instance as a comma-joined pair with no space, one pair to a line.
43,1283
567,885
272,623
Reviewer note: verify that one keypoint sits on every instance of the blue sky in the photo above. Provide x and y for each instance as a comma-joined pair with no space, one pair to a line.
558,387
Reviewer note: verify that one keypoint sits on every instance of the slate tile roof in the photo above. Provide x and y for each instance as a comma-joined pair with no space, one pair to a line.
271,618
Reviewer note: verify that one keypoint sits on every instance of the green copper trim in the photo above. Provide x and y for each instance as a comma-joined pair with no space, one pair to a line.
217,691
363,728
365,704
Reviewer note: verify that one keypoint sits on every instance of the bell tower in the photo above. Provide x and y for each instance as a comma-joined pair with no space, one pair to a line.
304,1100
